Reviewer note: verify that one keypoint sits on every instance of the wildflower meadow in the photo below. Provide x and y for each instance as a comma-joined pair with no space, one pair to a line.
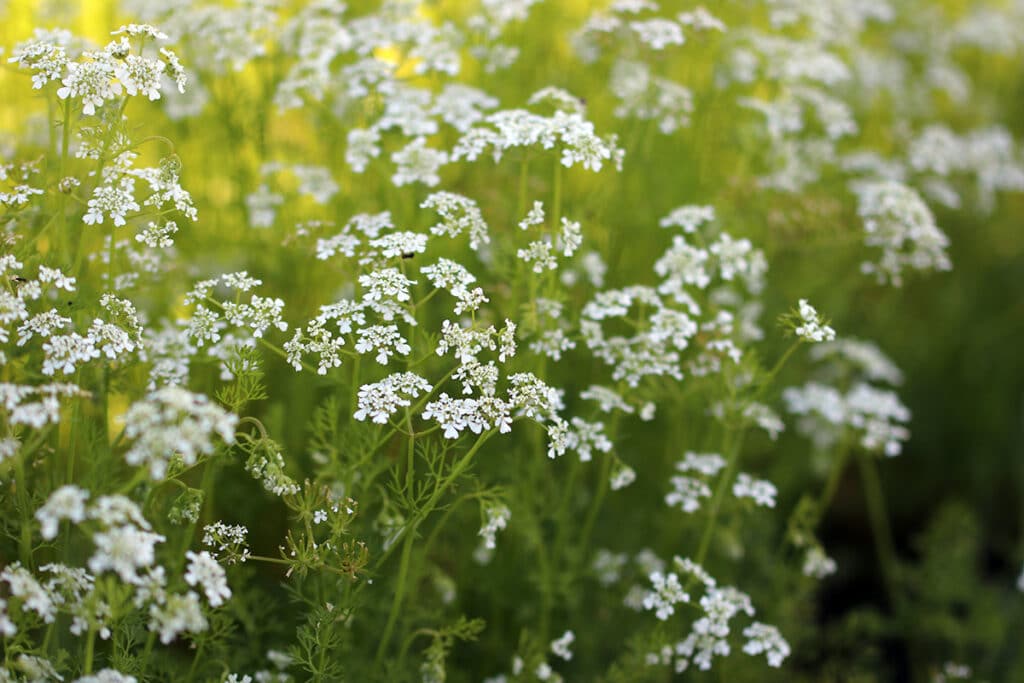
511,340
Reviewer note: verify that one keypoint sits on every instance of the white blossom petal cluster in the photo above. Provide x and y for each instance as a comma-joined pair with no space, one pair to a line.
496,519
173,421
812,327
569,132
897,221
203,569
817,564
765,639
762,492
876,416
66,502
385,340
686,493
459,215
180,613
667,593
560,646
124,550
380,400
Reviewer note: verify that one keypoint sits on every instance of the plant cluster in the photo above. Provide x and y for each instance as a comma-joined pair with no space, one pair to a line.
395,391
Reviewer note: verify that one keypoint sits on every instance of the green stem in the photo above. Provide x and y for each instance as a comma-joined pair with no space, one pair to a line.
556,204
25,538
147,650
595,506
62,200
524,174
403,572
409,534
735,444
195,662
834,476
880,529
90,645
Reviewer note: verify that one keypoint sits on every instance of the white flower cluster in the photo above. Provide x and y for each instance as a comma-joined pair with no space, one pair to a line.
667,593
203,569
568,131
96,77
709,634
876,416
35,406
897,221
811,326
228,541
560,647
458,215
762,492
687,491
380,400
175,422
496,517
817,564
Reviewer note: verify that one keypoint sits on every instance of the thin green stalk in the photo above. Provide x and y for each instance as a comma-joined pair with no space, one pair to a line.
524,175
734,443
396,604
556,202
834,476
880,529
595,506
195,661
62,198
25,537
409,534
90,645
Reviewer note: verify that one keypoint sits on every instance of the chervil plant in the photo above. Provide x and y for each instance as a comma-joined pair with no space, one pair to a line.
474,341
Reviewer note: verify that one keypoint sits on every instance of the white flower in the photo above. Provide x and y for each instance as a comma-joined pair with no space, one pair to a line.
497,517
179,614
560,646
107,676
157,236
57,278
384,339
203,569
762,491
707,464
658,33
33,595
124,550
381,400
113,201
621,476
766,639
458,215
534,217
570,238
362,148
417,163
172,421
817,564
91,80
897,221
386,283
67,502
667,593
686,493
812,327
552,343
700,19
260,314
